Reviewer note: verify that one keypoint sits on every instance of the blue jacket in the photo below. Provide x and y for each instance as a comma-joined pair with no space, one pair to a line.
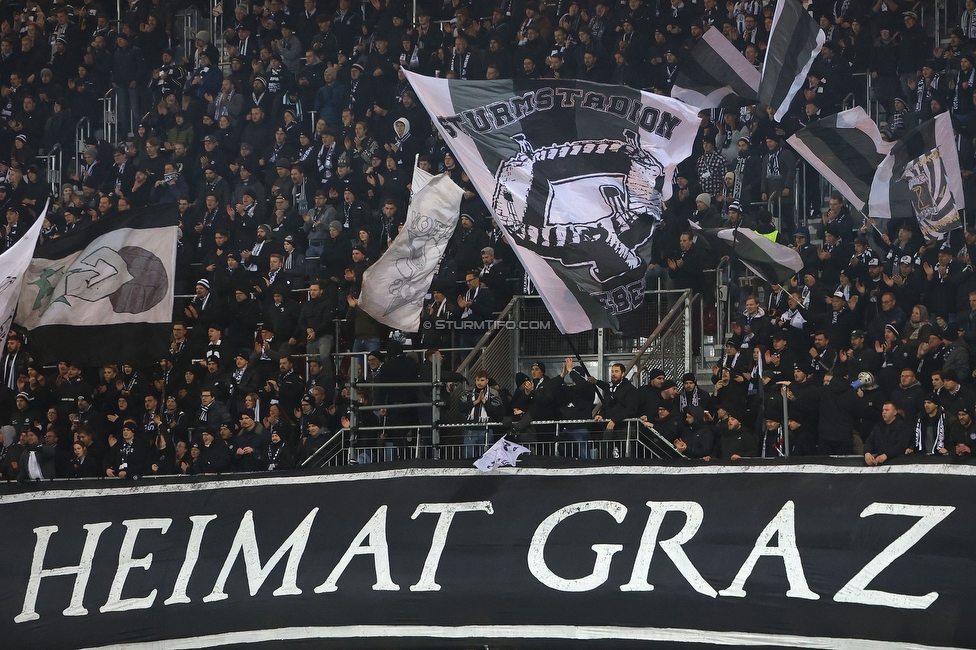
128,65
329,102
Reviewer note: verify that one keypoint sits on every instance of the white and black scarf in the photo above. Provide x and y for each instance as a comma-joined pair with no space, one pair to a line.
939,442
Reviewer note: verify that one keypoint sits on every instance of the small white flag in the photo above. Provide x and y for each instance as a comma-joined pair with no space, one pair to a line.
501,454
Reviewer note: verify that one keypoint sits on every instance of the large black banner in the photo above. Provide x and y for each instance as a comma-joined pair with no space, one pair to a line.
802,555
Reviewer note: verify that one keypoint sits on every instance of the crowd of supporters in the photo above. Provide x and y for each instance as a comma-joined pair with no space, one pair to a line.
291,169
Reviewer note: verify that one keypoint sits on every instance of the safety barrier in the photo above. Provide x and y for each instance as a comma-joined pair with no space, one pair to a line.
52,162
636,441
82,133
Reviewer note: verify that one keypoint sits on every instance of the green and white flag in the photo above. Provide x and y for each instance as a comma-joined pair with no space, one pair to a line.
395,286
105,291
575,174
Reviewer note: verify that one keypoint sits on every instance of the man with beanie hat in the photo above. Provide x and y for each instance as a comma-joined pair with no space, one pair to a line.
250,444
705,215
962,432
214,454
735,441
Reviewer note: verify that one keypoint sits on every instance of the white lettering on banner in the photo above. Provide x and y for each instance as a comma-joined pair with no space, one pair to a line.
372,540
856,590
190,559
375,532
446,512
694,515
81,572
115,603
246,544
783,526
604,552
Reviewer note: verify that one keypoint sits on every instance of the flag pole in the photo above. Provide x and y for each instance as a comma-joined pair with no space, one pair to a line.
576,353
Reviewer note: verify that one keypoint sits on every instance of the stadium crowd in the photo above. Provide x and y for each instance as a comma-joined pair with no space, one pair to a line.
291,169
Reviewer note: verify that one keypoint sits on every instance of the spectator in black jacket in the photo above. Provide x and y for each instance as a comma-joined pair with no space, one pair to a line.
889,438
619,397
840,411
127,458
477,305
696,439
128,72
214,455
735,441
37,461
688,266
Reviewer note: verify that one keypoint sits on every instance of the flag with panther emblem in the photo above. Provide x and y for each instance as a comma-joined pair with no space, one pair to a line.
104,293
575,173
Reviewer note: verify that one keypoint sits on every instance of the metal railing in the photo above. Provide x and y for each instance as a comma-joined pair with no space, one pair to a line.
669,346
188,21
82,133
496,348
637,441
110,120
53,161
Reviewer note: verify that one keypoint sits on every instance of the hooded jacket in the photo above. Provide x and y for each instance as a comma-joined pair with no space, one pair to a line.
697,435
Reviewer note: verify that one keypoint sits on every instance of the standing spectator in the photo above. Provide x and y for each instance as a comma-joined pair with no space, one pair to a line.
711,168
128,70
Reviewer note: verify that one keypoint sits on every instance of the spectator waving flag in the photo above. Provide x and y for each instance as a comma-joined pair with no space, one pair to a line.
569,170
394,287
846,149
104,292
921,175
773,262
716,75
795,40
13,266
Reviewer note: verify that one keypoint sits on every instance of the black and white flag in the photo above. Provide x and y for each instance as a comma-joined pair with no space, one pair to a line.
395,286
921,176
571,171
104,292
773,262
716,75
846,149
795,40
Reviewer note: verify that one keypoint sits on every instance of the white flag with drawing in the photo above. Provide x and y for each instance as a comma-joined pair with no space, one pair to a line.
501,454
13,267
395,286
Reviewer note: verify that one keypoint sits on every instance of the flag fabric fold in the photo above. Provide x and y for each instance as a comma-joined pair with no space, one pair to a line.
773,262
395,286
501,454
921,176
570,170
104,292
846,149
716,75
794,42
13,266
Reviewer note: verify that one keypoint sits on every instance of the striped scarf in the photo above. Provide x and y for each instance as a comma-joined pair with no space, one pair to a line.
939,442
